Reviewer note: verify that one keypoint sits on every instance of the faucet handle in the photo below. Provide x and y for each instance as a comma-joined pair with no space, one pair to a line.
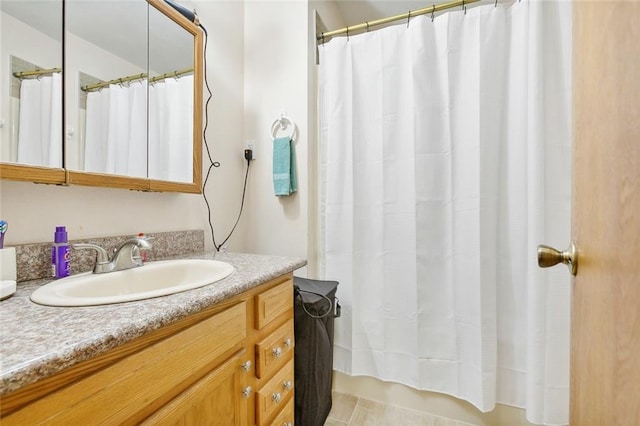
102,257
140,242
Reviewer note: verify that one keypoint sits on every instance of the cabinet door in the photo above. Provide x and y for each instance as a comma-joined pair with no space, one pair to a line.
216,399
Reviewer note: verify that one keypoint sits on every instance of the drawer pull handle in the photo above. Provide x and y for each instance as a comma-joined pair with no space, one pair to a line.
288,424
246,392
276,397
277,352
246,366
287,385
287,343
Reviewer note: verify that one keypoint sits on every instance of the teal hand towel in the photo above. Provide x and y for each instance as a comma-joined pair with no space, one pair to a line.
284,167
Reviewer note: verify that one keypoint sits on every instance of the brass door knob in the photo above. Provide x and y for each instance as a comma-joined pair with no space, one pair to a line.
548,256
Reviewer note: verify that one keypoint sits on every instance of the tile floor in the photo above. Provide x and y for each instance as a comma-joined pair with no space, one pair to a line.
352,411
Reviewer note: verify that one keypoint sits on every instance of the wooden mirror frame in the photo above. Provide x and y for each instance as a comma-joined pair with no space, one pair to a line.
35,174
61,176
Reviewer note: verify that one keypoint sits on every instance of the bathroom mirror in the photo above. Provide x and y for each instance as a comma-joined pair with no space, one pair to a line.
117,53
31,135
106,87
171,100
175,57
133,107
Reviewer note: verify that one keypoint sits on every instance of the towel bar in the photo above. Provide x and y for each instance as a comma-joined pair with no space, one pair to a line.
283,122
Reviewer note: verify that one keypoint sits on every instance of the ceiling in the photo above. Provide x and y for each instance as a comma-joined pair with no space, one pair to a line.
359,11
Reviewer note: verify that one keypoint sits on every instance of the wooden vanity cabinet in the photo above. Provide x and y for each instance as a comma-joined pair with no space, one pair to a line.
231,364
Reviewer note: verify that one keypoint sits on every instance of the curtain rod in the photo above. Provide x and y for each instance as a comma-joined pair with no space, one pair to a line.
98,86
170,75
35,73
365,26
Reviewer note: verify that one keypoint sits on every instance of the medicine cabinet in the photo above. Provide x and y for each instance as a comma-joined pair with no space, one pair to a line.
126,83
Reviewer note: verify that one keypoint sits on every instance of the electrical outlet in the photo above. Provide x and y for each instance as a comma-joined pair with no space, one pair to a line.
250,144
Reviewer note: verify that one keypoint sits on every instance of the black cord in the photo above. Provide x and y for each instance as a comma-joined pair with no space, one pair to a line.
204,136
212,163
244,191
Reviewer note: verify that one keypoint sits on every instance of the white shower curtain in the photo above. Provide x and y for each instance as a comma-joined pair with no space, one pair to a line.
116,130
171,129
40,122
445,160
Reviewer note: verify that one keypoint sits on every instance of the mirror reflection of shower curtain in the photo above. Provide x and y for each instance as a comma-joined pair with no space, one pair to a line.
40,123
171,129
116,130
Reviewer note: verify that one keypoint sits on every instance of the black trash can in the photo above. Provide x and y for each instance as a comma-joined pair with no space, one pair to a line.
315,308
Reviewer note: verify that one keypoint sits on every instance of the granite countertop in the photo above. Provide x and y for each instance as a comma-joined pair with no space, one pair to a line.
39,341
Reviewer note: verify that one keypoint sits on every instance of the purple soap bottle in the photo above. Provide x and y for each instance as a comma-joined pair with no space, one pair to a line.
60,254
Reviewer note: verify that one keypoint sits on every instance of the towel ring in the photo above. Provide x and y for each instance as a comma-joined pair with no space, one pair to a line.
283,122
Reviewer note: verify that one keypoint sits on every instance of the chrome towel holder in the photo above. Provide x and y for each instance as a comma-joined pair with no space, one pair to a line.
282,123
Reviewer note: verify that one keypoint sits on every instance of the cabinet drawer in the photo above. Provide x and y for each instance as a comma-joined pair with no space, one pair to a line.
141,383
274,395
286,416
273,303
273,349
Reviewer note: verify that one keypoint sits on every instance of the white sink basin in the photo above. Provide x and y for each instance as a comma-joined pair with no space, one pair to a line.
151,280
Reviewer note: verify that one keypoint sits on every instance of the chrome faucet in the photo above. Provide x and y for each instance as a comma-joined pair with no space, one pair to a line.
127,256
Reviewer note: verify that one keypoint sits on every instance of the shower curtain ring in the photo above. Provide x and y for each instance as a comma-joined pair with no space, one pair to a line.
496,5
347,33
367,26
408,18
433,13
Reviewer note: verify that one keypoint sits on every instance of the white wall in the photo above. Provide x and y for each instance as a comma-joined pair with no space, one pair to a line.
275,81
224,21
33,211
323,16
280,77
